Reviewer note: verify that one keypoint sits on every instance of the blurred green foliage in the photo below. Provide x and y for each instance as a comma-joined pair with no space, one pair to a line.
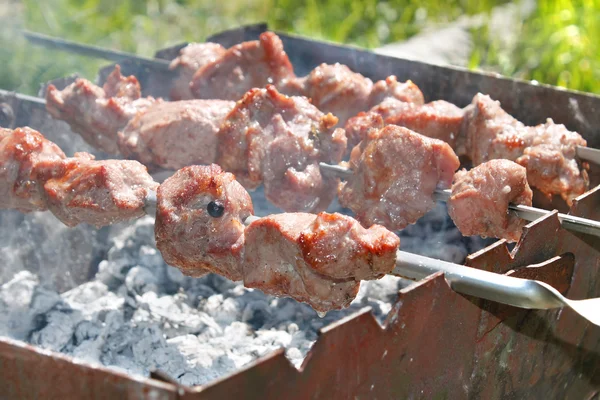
557,44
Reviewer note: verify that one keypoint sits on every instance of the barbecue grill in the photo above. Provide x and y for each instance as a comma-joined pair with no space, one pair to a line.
434,343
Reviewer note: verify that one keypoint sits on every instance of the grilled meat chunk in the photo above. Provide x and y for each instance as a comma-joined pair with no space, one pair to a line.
316,259
200,221
100,192
96,113
480,199
278,140
191,58
27,160
547,151
242,67
438,119
551,163
395,174
175,134
336,89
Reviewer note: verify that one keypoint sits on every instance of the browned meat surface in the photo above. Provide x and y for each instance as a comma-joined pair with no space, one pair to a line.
547,150
278,140
188,236
242,67
316,259
175,134
344,93
490,132
390,87
551,161
395,173
96,113
338,90
480,199
27,159
99,192
438,120
191,58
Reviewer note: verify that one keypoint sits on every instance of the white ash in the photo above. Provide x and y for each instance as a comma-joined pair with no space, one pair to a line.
137,314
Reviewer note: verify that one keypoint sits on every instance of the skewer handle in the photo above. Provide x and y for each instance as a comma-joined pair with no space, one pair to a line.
93,51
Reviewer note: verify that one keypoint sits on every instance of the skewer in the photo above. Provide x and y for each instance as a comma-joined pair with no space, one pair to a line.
518,292
572,223
584,153
93,51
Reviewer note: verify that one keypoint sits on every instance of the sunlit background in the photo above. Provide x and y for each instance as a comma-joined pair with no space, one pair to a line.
553,42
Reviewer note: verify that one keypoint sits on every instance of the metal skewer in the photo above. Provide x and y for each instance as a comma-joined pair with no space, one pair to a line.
93,51
518,292
572,223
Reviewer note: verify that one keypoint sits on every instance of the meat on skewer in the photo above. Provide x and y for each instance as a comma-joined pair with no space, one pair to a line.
480,198
395,173
483,131
279,141
316,259
320,259
96,113
37,176
191,58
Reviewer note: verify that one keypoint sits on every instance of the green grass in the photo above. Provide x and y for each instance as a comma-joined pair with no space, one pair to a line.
558,43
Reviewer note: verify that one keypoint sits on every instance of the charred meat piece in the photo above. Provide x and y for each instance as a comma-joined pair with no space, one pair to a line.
96,113
175,134
278,140
242,67
191,58
395,174
27,160
99,192
438,120
491,133
200,221
316,259
551,163
480,199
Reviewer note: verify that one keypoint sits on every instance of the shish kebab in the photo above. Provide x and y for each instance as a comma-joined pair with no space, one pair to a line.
204,224
206,70
256,138
498,224
481,131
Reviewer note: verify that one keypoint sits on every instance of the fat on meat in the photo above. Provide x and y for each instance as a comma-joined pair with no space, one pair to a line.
242,67
437,119
175,134
191,58
316,259
188,236
278,140
98,192
98,113
395,173
480,198
27,160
